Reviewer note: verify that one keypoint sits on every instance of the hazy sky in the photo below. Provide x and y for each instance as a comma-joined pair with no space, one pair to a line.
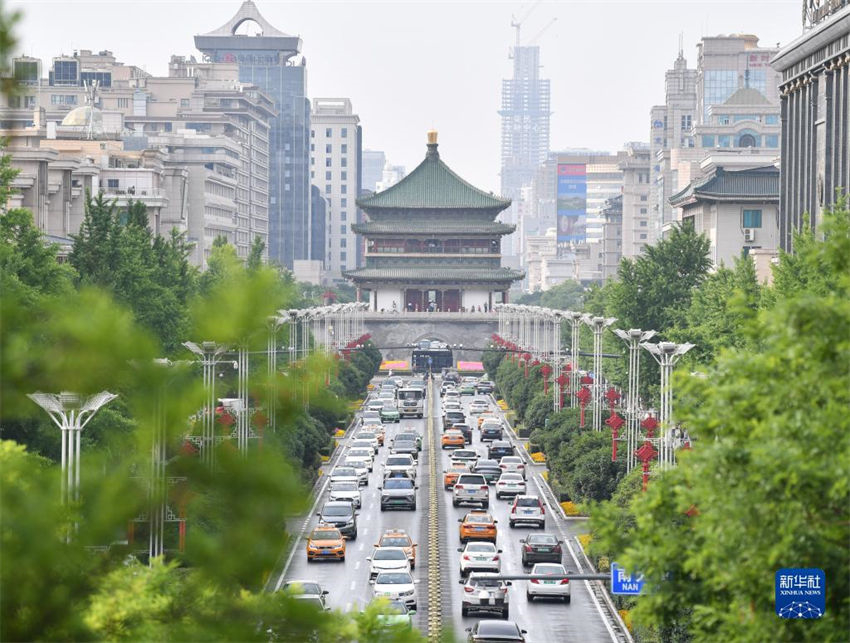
411,66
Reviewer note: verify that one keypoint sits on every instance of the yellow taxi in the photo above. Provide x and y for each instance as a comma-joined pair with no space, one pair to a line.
450,475
325,542
399,538
452,440
477,525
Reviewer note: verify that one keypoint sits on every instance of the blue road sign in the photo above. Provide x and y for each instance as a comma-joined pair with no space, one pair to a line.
623,584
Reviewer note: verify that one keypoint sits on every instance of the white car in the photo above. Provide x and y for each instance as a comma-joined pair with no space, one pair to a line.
348,474
359,465
452,405
361,443
452,394
479,556
388,559
512,464
371,436
371,417
477,407
395,586
510,484
375,405
346,490
556,588
400,462
527,509
363,455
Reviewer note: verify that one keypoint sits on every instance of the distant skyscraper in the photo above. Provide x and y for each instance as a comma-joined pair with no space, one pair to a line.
268,58
373,168
525,133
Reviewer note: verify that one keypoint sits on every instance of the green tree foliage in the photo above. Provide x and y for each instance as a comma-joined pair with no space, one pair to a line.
766,485
567,295
653,290
583,466
116,250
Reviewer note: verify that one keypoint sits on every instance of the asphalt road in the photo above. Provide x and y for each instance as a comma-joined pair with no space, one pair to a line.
348,582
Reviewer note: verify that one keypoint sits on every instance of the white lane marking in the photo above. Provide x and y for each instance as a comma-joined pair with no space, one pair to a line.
576,561
357,565
353,585
364,531
361,546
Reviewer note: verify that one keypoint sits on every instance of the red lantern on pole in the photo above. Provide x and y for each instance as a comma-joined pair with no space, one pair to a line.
526,358
583,396
645,454
615,422
546,371
562,380
649,425
612,396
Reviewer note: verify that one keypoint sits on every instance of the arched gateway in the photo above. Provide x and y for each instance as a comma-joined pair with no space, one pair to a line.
432,244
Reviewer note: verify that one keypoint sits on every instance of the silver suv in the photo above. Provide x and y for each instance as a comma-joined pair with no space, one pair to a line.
471,487
527,509
483,593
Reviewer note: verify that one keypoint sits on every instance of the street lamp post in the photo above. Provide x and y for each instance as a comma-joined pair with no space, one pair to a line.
575,321
666,354
556,359
633,338
209,354
71,414
597,324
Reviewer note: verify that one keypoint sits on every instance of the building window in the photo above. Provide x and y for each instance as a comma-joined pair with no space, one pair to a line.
312,133
643,235
328,162
328,188
643,210
329,132
771,119
724,140
752,218
643,197
329,149
643,224
343,189
123,102
184,102
343,202
343,216
344,132
686,122
771,140
344,162
312,147
342,258
112,183
328,175
344,176
343,241
344,149
747,140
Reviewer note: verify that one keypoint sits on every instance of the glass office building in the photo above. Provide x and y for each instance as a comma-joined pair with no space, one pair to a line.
269,59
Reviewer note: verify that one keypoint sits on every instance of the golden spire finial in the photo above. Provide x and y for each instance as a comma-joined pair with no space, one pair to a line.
432,137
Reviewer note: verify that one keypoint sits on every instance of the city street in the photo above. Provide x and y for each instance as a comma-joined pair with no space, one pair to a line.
348,582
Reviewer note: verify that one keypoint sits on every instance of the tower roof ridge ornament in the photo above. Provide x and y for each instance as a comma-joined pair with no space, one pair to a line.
248,11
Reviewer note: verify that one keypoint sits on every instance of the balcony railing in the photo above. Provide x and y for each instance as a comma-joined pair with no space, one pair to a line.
816,11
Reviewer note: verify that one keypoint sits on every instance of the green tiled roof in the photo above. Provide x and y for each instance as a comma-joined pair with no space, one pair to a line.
432,185
761,183
432,275
428,226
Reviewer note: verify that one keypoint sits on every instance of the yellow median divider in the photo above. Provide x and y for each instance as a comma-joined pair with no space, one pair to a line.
539,457
339,433
570,508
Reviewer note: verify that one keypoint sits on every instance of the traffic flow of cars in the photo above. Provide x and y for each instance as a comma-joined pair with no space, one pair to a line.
373,491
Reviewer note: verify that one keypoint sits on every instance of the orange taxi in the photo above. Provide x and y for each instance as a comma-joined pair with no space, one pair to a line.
325,542
399,538
452,440
450,475
477,525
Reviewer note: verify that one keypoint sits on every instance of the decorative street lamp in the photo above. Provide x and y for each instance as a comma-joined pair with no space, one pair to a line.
633,338
597,325
666,354
575,321
209,354
71,414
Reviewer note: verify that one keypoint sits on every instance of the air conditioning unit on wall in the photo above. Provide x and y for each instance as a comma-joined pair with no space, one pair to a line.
749,235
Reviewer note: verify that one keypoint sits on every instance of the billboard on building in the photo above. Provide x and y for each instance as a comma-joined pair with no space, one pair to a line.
572,202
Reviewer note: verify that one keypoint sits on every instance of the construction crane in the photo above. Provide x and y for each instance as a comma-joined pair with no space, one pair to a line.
517,24
540,33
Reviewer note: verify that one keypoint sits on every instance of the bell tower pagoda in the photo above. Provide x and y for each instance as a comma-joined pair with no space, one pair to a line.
432,243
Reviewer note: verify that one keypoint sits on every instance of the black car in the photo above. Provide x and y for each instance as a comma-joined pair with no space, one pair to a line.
491,433
341,515
487,631
453,417
541,548
466,430
498,449
490,469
